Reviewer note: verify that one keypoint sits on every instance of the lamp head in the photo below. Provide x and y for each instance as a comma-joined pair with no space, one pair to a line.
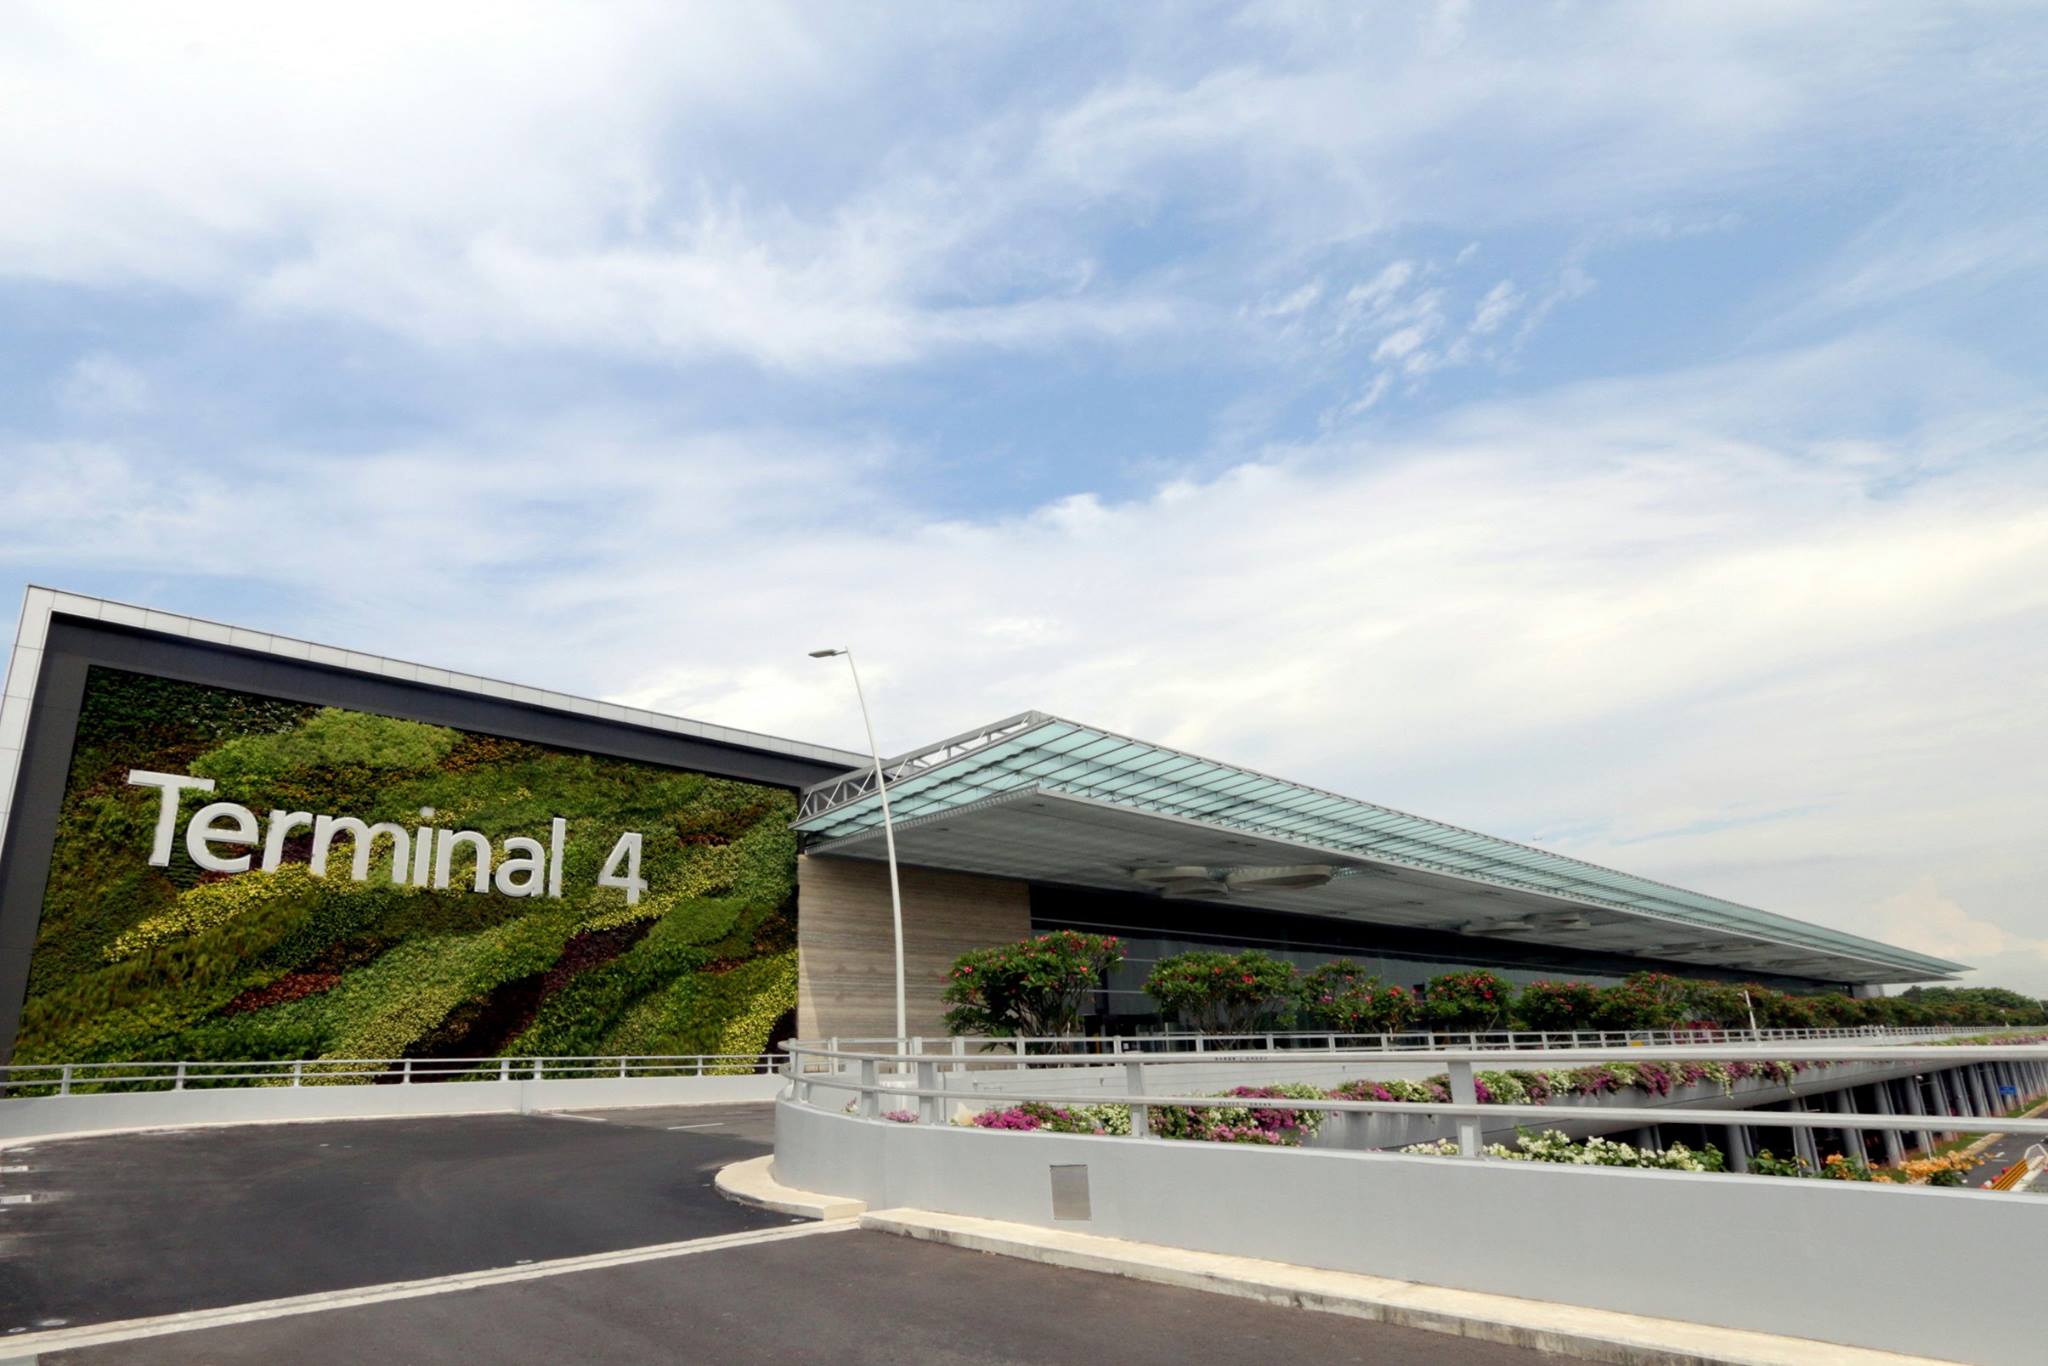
825,654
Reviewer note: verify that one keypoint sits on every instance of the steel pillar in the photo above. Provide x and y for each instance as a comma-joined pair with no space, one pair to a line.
1737,1138
1894,1145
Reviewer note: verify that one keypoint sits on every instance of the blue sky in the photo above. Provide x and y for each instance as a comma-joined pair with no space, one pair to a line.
1620,427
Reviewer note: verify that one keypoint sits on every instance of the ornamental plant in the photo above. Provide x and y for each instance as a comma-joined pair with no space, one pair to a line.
1642,1000
1271,1125
1714,1005
1036,986
1557,1005
1222,993
1341,995
1466,1001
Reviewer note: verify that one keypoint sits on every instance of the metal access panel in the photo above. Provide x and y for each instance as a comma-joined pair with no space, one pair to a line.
1070,1192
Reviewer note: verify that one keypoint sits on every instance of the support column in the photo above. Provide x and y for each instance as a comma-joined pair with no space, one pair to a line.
1803,1144
1973,1078
1843,1102
1954,1096
1737,1139
1916,1105
1894,1145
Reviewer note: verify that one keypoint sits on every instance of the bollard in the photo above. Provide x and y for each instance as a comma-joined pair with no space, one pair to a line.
1141,1115
870,1103
1465,1091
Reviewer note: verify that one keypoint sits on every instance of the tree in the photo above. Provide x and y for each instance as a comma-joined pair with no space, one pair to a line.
1466,1000
1641,1000
1341,995
1034,987
1222,993
1714,1003
1557,1005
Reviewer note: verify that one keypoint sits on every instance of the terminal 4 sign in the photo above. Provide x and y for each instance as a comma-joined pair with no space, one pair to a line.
423,856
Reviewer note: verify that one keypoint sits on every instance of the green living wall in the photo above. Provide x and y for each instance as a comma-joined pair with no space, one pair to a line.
136,962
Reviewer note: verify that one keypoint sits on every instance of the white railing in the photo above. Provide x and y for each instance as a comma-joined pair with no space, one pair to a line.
1069,1046
81,1078
905,1079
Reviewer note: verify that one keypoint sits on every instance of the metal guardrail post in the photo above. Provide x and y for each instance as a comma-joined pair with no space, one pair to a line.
64,1081
405,1074
537,1069
1141,1115
179,1083
1465,1091
930,1109
622,1068
298,1071
870,1103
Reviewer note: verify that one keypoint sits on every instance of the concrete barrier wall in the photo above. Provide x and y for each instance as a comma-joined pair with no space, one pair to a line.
1940,1273
41,1117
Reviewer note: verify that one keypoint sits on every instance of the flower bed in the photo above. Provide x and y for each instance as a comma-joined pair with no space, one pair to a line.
1552,1146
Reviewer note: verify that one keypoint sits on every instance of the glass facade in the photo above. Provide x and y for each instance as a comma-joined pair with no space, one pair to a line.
1153,928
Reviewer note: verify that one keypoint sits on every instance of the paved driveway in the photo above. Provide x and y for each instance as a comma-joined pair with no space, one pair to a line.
138,1226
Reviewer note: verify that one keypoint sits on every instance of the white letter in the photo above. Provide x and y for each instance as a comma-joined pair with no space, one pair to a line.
282,823
526,858
628,848
444,856
167,813
422,848
558,830
203,831
325,828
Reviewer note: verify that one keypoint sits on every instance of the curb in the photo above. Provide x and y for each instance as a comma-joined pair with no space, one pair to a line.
753,1182
1589,1334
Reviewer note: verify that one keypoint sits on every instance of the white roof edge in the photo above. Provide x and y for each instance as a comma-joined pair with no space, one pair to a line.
40,603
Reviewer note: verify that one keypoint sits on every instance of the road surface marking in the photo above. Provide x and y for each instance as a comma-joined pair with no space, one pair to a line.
563,1114
128,1330
674,1127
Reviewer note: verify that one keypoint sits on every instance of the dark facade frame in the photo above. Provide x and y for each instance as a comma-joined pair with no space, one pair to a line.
75,644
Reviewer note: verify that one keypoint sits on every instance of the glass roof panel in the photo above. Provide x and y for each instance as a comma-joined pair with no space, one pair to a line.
1058,756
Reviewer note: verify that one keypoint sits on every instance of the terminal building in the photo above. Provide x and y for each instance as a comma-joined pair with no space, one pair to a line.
222,843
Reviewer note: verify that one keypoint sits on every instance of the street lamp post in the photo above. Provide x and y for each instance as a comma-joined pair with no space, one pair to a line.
888,836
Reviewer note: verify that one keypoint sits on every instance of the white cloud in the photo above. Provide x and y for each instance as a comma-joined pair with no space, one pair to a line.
777,183
100,385
1761,665
1922,919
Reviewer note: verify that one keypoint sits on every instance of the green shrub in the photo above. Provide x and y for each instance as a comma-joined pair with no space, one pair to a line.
1035,987
1471,1000
1642,1000
1222,993
1341,995
1556,1005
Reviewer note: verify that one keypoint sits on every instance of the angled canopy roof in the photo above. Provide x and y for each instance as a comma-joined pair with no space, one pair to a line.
1044,799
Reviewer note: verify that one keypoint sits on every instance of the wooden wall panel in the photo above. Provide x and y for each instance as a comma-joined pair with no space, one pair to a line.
845,963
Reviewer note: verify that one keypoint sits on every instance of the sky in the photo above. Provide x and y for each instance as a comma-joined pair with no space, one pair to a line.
1615,427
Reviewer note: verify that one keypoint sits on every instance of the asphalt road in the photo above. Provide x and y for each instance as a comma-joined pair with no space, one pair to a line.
149,1224
141,1224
